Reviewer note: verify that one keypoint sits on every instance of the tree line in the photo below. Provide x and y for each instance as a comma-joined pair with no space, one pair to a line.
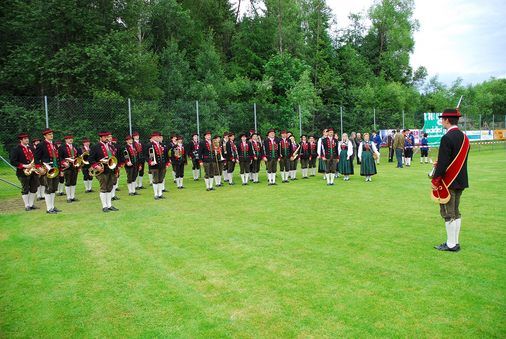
280,54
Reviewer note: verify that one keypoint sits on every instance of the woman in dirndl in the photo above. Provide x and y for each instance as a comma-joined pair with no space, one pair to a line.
345,165
366,154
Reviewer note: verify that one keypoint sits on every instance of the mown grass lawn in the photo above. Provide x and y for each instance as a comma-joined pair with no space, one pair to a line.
295,260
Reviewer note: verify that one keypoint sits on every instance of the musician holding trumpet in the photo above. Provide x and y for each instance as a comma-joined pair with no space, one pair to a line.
71,163
103,163
22,158
132,164
158,162
46,157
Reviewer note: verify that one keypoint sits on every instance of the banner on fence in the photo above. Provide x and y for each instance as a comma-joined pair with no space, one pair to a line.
432,126
500,134
487,135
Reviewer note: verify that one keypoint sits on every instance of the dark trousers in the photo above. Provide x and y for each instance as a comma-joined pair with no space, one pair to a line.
293,165
51,184
195,164
29,184
178,169
272,165
209,170
70,175
450,210
86,173
158,174
255,165
230,166
398,156
284,164
312,163
141,170
105,179
244,165
390,154
330,165
304,163
132,172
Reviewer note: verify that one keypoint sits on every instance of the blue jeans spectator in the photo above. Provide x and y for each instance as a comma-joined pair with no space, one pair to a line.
398,156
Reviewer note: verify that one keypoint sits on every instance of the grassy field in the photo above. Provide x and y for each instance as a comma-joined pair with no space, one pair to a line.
294,260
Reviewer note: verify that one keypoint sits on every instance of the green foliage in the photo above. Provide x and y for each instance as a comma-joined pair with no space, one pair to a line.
280,55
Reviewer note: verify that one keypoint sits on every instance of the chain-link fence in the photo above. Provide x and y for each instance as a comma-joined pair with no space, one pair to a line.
86,117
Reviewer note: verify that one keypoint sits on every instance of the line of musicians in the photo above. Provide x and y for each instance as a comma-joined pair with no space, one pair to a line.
42,166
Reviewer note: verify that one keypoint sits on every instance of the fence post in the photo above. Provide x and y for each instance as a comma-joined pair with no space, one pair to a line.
255,115
47,112
374,117
403,119
130,115
479,126
198,122
493,121
300,122
341,110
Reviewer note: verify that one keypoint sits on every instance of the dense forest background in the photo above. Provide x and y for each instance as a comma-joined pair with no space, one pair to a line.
279,54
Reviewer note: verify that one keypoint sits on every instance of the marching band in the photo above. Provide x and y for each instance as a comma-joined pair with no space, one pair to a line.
42,166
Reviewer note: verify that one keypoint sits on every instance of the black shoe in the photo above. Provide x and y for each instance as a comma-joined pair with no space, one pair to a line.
269,184
28,208
51,212
164,190
135,193
61,193
87,191
131,194
444,247
208,189
244,183
69,201
115,198
274,183
118,189
180,188
195,179
74,199
141,187
161,197
157,197
230,183
56,210
34,208
112,208
212,188
105,209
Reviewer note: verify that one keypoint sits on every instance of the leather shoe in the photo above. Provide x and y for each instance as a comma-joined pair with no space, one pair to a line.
444,247
34,208
112,208
105,209
56,210
51,212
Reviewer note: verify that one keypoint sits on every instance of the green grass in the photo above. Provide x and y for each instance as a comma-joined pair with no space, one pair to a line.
295,260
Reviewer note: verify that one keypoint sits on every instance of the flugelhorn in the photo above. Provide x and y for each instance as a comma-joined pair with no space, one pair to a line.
94,171
152,156
51,172
111,162
85,158
32,169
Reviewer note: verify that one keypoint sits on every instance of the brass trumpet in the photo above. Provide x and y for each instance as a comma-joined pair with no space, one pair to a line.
32,169
85,158
152,156
96,171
